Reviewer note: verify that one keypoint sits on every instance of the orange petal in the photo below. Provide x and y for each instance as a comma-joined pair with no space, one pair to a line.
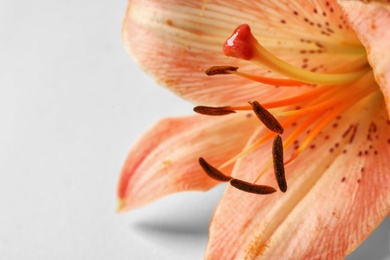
165,160
371,23
176,41
339,192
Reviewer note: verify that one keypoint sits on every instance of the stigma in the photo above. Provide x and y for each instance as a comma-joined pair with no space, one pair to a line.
327,96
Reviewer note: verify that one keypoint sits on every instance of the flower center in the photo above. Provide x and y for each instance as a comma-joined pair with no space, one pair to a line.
329,95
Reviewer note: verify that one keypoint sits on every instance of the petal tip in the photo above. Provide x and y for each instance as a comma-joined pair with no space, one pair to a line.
120,205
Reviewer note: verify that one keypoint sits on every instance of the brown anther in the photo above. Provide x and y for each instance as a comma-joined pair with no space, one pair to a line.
277,157
213,111
213,172
266,118
252,188
217,70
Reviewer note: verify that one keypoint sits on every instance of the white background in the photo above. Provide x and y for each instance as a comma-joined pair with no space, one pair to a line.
71,104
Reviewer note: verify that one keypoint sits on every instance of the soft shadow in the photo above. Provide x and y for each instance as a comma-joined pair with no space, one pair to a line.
183,213
177,225
376,246
197,228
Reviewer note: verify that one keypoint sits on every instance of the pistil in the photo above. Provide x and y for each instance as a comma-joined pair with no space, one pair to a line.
243,45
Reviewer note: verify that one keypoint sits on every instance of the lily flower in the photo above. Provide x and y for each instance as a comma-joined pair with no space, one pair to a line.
319,69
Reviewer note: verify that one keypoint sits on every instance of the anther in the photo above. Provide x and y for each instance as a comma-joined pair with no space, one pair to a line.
213,111
277,157
266,118
213,172
217,70
252,188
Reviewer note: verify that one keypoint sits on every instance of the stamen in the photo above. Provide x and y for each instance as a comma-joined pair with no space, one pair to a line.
297,99
265,169
300,129
248,150
213,172
327,119
243,45
270,81
314,109
277,156
334,97
252,188
344,98
223,70
214,111
286,123
217,70
266,118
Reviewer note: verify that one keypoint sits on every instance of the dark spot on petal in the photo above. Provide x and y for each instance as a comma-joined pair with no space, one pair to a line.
169,22
353,134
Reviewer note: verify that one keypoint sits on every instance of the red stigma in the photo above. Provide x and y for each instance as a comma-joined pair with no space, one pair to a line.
239,44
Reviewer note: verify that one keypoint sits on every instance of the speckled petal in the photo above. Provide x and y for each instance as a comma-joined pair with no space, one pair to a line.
176,41
338,193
